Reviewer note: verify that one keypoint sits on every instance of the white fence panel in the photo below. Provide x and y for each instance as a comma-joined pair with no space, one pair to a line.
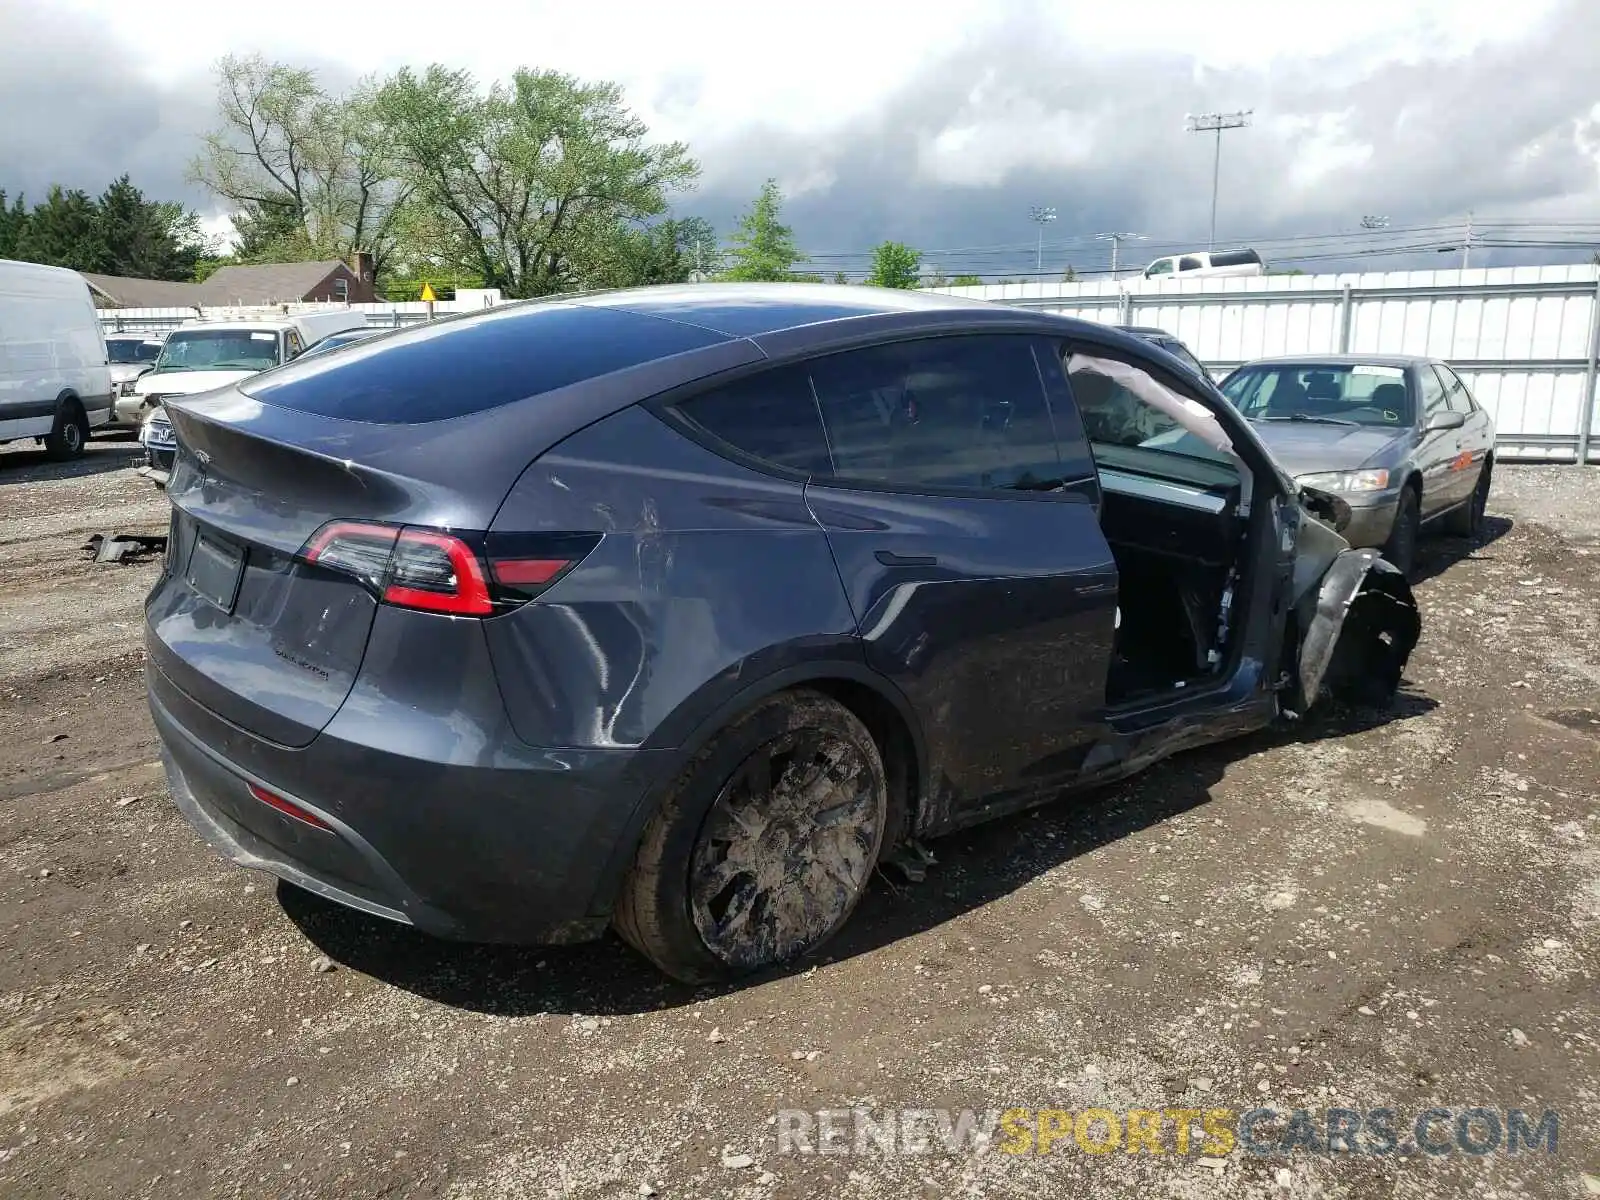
1526,339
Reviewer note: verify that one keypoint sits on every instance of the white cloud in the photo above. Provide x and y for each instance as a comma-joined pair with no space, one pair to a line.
801,66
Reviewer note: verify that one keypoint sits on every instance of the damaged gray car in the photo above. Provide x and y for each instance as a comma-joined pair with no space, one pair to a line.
679,609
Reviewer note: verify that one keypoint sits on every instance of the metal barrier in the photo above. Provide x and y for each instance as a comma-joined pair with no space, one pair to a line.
1525,339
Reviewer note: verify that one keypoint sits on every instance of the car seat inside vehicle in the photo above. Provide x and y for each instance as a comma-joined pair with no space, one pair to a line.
1173,508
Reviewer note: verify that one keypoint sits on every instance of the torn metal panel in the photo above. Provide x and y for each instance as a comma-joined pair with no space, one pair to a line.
1360,626
124,547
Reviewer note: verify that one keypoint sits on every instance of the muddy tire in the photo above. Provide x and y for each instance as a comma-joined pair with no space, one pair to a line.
70,435
1401,548
1467,521
764,846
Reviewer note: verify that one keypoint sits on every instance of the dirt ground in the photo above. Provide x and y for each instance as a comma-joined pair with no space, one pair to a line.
1397,910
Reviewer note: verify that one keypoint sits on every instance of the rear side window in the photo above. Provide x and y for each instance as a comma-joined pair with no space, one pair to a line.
1072,442
770,416
454,368
1235,258
1455,391
1434,399
1189,263
963,413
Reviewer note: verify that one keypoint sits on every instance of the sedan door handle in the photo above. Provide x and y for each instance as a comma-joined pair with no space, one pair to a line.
890,559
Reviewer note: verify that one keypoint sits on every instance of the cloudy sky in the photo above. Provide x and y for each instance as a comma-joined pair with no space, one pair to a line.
935,123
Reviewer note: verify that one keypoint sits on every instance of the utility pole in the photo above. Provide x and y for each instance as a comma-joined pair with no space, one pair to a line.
1043,216
1216,123
1466,246
1116,240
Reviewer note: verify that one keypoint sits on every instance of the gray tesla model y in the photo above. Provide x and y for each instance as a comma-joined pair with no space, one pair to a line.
678,608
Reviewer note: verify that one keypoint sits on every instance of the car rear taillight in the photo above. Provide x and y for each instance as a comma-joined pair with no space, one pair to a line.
438,572
435,571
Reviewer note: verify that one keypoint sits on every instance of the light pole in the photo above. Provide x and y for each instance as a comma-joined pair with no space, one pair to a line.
1116,240
1216,123
1043,216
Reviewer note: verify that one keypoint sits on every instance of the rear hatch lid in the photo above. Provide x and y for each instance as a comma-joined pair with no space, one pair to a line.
425,429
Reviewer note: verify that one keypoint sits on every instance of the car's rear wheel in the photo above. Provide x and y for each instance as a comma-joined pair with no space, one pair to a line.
70,434
1401,548
765,845
1467,521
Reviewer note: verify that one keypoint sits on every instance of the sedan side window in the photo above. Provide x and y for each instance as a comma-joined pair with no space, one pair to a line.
1434,399
965,413
769,416
1456,392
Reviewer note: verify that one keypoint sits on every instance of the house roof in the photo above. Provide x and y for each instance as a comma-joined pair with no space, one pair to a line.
268,283
143,293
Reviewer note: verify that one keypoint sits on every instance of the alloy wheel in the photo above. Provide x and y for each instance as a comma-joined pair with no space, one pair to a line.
786,849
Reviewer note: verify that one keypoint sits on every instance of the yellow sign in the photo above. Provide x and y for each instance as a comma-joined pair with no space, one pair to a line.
427,293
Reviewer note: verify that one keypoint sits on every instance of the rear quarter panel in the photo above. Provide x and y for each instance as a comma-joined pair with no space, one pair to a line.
708,576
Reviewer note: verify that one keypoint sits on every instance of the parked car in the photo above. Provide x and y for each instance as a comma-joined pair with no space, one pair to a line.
1171,344
1399,440
347,337
1198,264
680,607
160,445
55,382
130,355
201,355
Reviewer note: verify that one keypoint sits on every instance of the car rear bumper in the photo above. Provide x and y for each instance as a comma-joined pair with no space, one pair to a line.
1371,524
518,854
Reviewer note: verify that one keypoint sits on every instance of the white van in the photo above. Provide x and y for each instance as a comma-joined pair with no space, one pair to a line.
55,382
1199,263
203,354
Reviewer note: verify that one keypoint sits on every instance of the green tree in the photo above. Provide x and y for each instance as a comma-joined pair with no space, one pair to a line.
525,183
764,248
64,231
966,281
269,231
13,219
936,279
699,244
894,265
840,277
664,252
314,173
144,239
1069,275
207,266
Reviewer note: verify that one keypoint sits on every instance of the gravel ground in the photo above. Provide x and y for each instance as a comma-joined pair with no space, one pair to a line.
1381,911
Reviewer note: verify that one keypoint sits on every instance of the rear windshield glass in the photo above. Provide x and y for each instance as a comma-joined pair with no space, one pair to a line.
1363,394
453,368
